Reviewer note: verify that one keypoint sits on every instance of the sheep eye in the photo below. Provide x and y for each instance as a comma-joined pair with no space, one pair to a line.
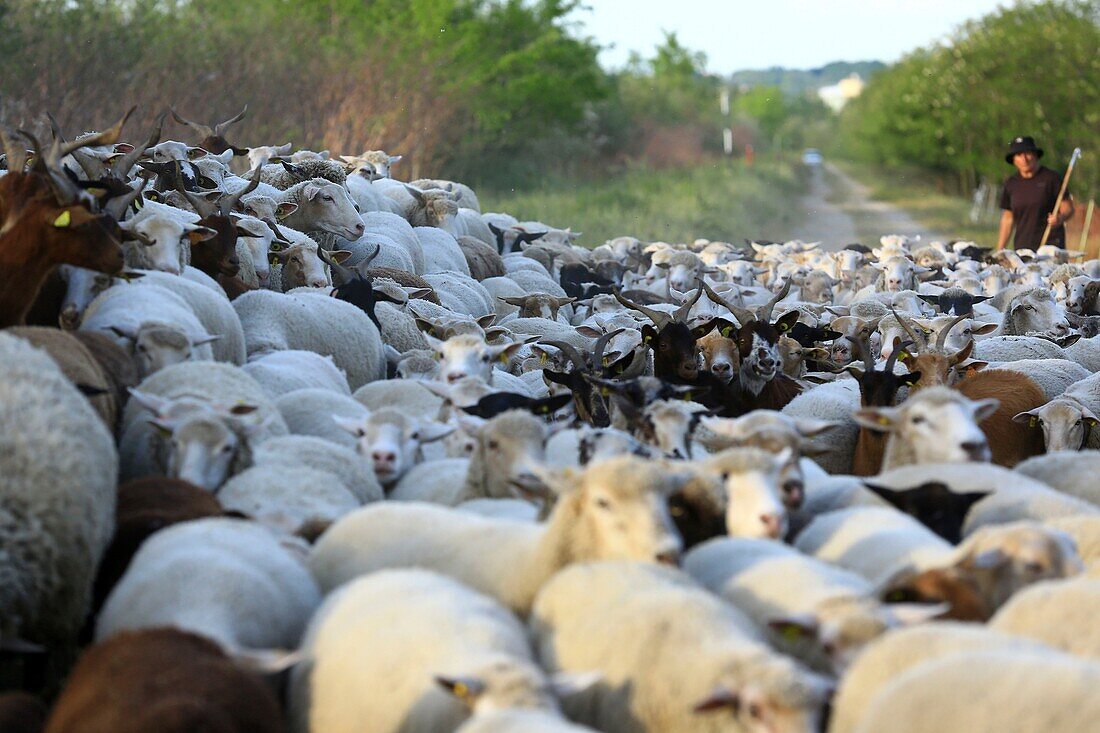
755,711
493,445
603,503
329,198
485,358
360,433
415,436
917,420
227,449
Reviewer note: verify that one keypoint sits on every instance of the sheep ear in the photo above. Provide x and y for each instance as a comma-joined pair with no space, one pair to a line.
431,432
505,352
486,320
1031,417
985,408
720,698
200,234
469,423
797,627
266,661
350,424
910,614
565,684
284,210
151,402
808,427
466,689
879,419
988,560
206,339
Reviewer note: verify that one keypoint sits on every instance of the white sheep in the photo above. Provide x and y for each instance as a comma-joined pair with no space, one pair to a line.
321,455
900,542
313,322
181,419
1060,613
446,653
320,205
210,307
310,412
288,499
673,657
891,655
389,440
1068,420
990,690
1071,472
1053,376
162,236
227,579
154,324
1085,533
461,293
57,497
440,481
441,252
279,372
820,613
1013,348
408,395
613,509
835,402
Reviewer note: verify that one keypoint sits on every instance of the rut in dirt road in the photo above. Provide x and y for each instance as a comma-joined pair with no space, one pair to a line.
837,208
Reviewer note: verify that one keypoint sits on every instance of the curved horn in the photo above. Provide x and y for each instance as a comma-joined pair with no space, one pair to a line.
201,206
660,320
203,130
764,314
229,203
346,274
117,206
899,346
570,352
16,154
365,263
93,167
221,127
906,327
122,166
601,345
941,338
863,346
681,313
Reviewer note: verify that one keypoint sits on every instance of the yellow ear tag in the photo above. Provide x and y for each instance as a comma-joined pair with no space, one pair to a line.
726,331
63,220
544,358
687,396
647,338
884,421
504,358
461,690
1031,423
791,632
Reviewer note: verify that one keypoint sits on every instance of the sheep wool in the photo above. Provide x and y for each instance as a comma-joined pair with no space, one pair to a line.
58,471
1061,613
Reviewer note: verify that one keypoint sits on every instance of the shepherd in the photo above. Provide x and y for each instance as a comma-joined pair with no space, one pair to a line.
1029,198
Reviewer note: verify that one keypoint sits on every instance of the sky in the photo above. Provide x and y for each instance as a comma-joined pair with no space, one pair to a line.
757,34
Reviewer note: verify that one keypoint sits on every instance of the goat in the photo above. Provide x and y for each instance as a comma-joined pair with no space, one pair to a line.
213,138
876,389
45,221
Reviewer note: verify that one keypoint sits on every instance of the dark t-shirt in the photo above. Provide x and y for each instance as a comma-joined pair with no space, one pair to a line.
1030,200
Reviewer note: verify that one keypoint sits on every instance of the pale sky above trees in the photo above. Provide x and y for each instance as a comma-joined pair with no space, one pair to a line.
755,34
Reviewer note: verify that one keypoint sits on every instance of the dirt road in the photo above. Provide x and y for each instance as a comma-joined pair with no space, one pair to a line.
839,211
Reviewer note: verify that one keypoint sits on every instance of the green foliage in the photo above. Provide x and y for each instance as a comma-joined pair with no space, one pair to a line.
1032,69
722,201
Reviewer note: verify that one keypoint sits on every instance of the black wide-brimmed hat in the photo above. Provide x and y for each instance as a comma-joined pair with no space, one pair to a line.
1022,145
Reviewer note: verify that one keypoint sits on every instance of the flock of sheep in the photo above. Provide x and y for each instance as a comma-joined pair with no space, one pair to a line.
317,450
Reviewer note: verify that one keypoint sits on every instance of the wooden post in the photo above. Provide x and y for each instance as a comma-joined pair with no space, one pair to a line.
1083,247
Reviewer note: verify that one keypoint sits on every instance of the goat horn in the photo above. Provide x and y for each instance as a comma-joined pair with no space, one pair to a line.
230,202
201,206
660,320
16,154
118,205
907,328
863,346
601,346
571,353
899,346
681,313
362,266
92,167
941,338
221,127
121,167
346,274
107,137
765,312
203,130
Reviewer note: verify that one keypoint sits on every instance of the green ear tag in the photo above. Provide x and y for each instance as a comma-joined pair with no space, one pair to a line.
63,220
1032,422
791,632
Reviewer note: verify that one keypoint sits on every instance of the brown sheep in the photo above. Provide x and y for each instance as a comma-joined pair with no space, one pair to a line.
163,681
117,363
953,586
484,261
79,365
146,505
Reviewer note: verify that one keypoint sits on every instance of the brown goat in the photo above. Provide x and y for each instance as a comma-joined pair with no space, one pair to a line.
950,585
147,505
213,138
1009,442
163,681
43,223
482,259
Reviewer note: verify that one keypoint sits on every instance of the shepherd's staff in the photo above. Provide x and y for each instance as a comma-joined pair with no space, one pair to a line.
1065,182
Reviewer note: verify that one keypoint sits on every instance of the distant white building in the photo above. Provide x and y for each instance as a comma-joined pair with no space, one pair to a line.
839,94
